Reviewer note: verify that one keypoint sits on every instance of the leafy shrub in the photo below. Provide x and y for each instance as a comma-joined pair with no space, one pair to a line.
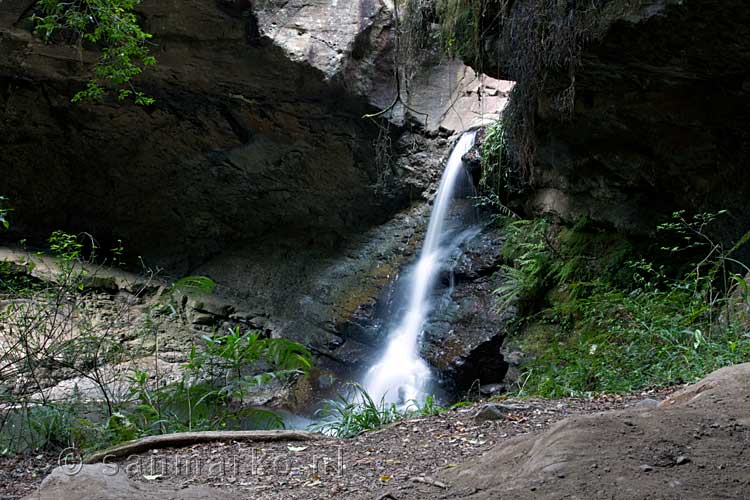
622,342
111,25
495,173
618,334
53,328
209,395
524,280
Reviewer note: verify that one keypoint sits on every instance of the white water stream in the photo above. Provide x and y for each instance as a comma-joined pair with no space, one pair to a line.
401,375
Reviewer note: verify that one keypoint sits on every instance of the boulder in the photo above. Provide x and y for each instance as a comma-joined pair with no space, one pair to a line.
689,447
110,482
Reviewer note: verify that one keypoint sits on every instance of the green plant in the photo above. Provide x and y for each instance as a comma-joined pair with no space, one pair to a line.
462,28
58,328
110,25
428,407
622,342
351,414
50,326
55,425
65,246
232,353
209,394
495,171
4,211
632,323
529,253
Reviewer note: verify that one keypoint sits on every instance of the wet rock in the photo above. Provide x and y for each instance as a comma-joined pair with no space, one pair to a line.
480,255
464,336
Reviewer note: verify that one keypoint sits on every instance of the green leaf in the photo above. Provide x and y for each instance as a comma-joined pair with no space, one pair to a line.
194,285
111,25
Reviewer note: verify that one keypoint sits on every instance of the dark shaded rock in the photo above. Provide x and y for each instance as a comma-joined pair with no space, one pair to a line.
244,142
627,111
488,390
464,336
514,357
465,333
498,411
480,256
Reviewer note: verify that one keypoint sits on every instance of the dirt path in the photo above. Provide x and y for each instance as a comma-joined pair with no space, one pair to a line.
400,461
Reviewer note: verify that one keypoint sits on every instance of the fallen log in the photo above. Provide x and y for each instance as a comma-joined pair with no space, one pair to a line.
183,439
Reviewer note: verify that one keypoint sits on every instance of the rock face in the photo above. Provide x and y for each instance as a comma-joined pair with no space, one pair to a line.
648,117
257,131
464,333
248,139
255,166
691,446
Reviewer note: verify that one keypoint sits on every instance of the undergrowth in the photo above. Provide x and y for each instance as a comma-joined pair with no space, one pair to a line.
619,322
356,412
53,330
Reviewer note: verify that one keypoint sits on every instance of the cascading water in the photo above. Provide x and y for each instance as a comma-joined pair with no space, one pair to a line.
401,375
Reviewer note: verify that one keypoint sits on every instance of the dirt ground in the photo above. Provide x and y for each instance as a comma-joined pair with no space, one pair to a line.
400,461
687,443
695,445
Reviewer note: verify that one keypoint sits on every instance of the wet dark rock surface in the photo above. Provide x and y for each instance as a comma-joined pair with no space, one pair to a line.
464,334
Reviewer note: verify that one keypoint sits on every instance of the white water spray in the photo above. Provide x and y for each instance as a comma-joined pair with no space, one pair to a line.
401,375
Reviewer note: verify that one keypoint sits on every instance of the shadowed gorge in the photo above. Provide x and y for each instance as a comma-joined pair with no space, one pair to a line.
374,249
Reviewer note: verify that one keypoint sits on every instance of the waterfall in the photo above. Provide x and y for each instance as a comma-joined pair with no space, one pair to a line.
401,375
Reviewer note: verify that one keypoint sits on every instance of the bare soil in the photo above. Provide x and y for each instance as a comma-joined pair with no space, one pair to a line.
693,444
400,461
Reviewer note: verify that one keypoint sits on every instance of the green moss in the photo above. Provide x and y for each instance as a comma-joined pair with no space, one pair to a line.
461,22
588,253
